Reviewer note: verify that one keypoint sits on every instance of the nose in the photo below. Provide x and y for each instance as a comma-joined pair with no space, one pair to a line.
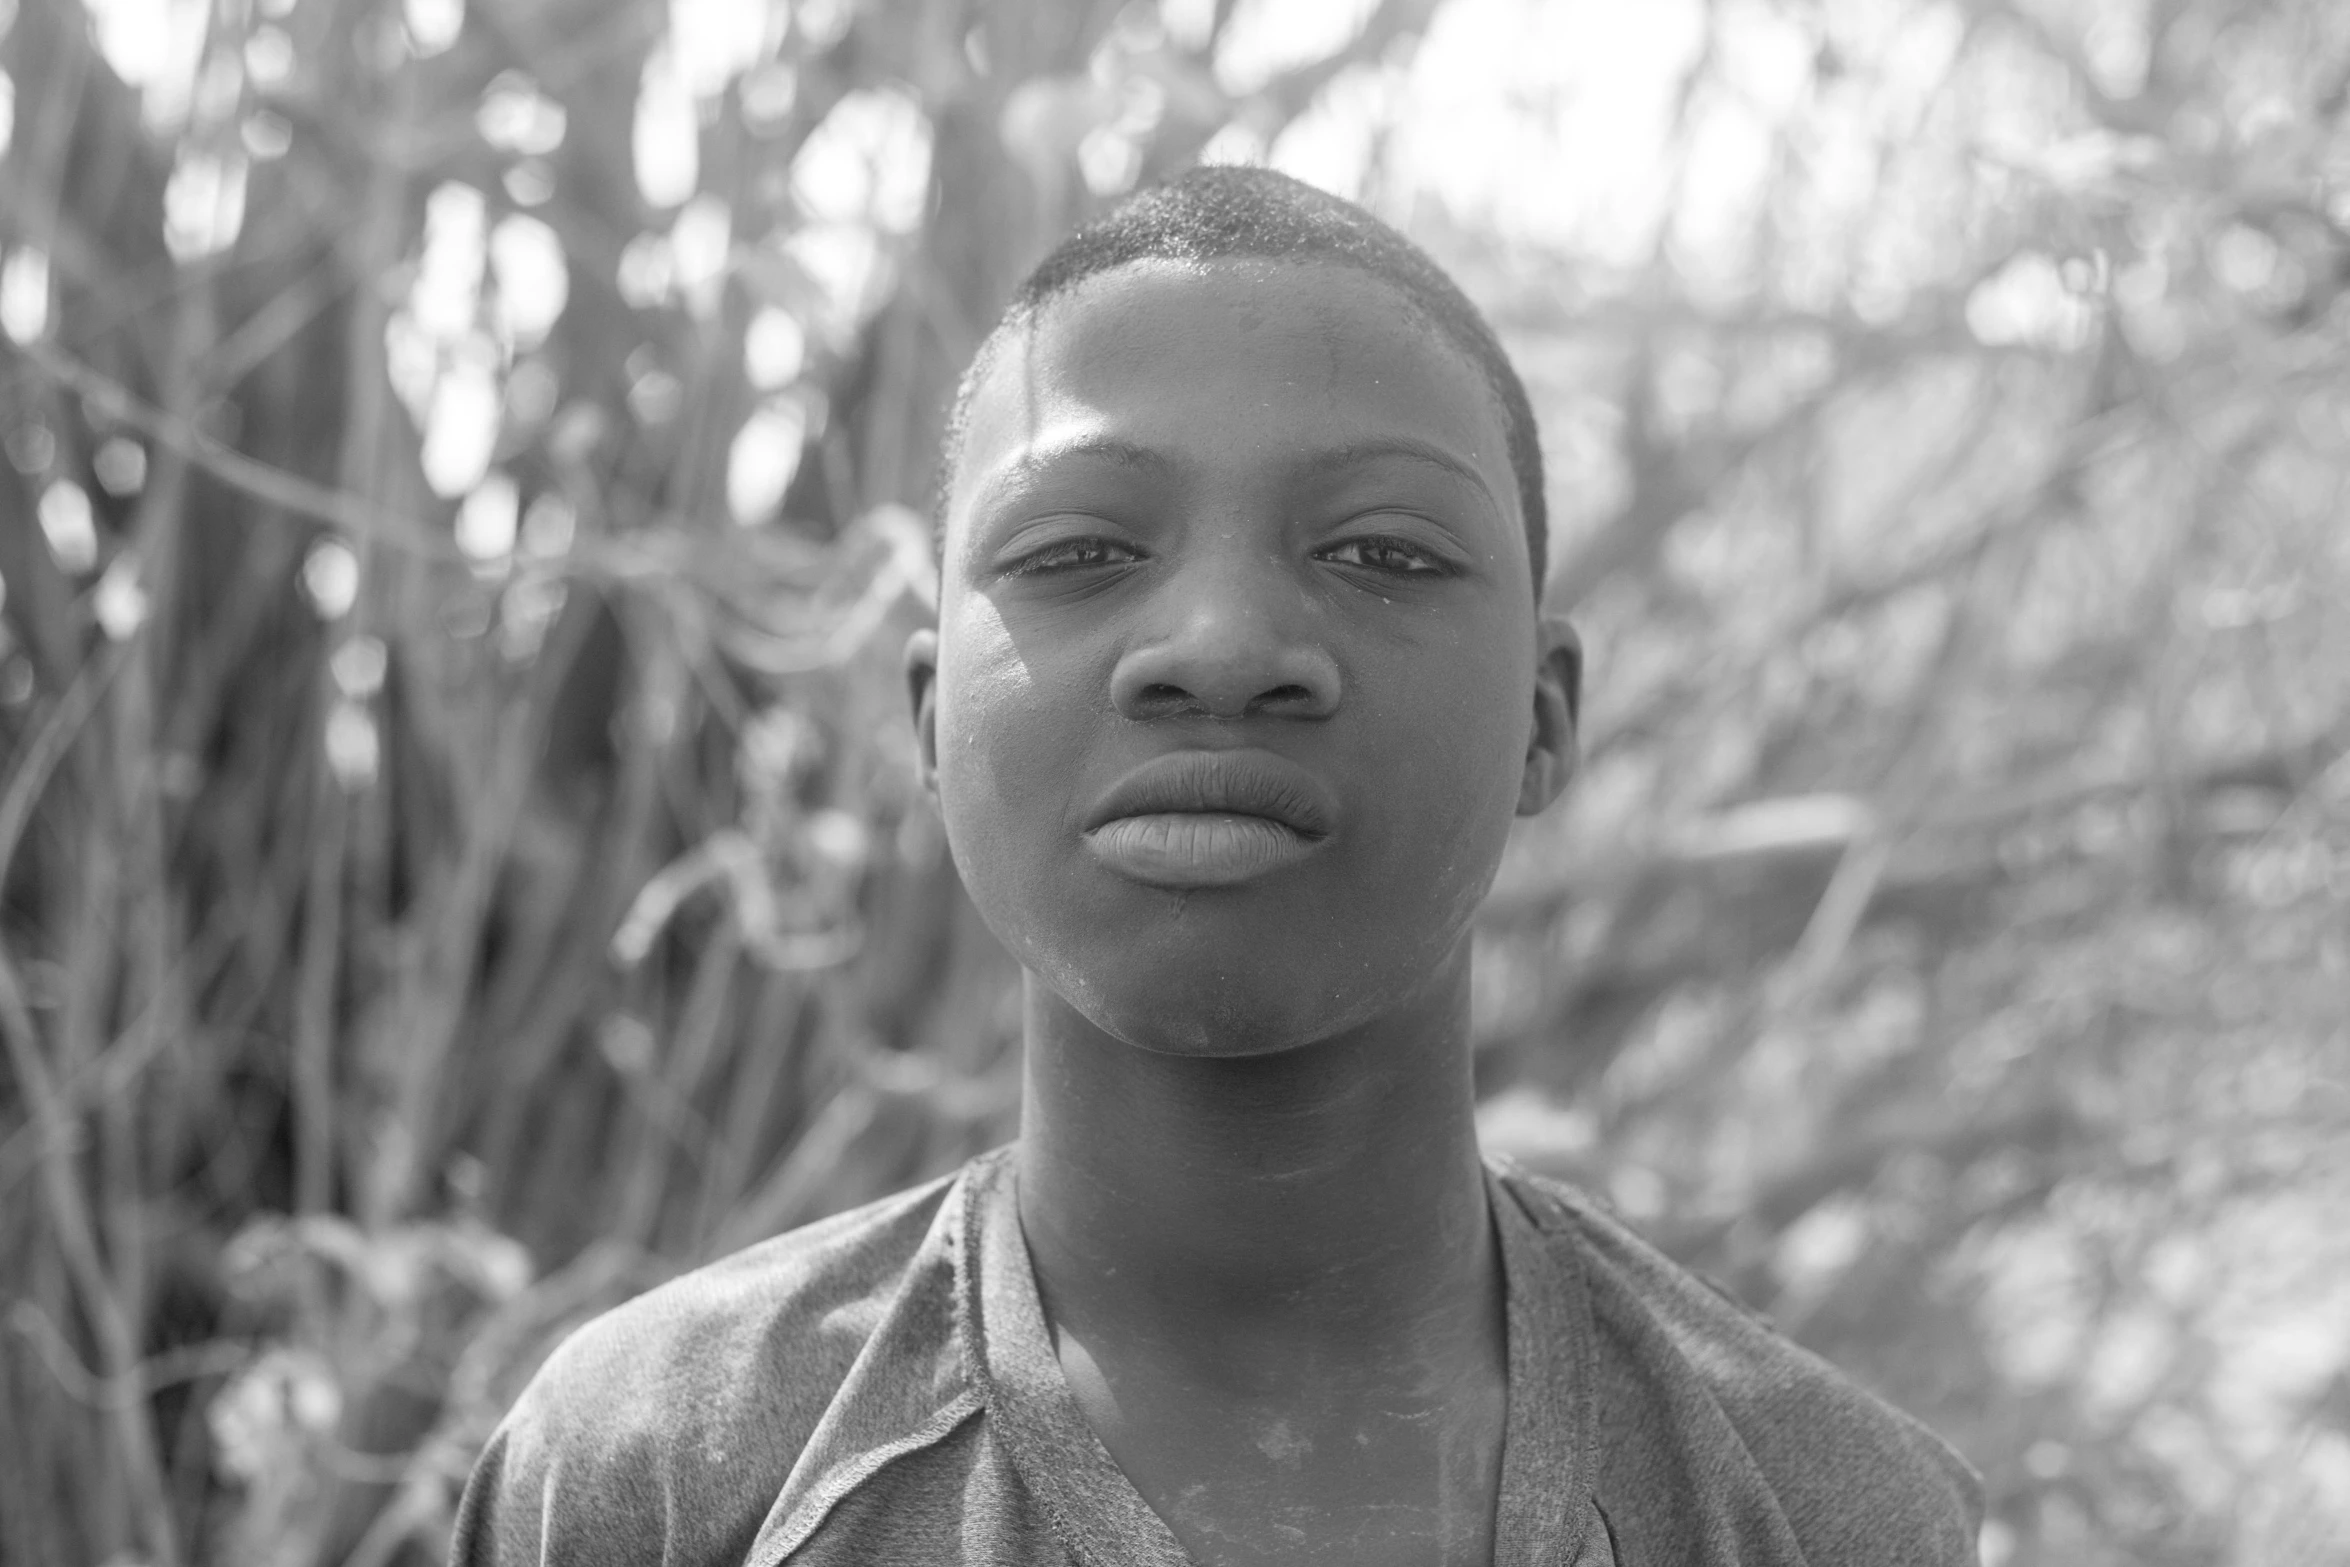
1230,641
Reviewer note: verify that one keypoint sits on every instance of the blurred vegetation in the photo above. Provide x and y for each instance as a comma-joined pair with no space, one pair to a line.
458,856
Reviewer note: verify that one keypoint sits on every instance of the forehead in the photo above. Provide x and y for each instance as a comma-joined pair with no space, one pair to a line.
1238,362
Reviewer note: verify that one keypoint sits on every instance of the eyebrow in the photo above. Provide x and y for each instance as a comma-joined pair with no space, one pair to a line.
1083,448
1130,454
1407,448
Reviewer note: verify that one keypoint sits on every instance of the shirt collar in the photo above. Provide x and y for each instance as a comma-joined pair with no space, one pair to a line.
1548,1462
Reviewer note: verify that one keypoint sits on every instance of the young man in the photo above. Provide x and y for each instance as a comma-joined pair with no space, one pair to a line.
1238,680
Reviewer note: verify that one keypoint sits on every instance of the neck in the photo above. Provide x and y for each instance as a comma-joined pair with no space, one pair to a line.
1332,1191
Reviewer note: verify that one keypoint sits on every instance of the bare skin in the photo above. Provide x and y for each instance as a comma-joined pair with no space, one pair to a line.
1274,1287
1237,684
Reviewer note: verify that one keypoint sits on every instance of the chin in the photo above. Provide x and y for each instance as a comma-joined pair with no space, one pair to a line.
1233,994
1183,1021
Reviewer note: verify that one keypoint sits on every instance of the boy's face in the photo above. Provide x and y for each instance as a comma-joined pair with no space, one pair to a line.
1238,678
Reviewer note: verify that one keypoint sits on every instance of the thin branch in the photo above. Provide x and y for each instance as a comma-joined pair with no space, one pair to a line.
188,1363
69,1216
112,1070
344,512
48,747
1292,92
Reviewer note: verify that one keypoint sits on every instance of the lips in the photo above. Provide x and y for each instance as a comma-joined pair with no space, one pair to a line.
1209,819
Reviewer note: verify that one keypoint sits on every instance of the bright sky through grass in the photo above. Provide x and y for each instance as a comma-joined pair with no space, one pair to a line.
1540,119
1561,124
153,45
1547,121
1554,123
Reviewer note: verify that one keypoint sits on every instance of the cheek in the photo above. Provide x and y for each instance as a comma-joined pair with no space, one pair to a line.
987,694
1009,737
1450,792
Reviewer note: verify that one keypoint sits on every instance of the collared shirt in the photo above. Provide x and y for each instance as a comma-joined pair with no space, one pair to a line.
882,1387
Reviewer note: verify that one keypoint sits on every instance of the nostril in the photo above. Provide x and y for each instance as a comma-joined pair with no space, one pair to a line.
1162,698
1284,696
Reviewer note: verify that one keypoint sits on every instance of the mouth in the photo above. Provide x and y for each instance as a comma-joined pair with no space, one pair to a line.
1209,819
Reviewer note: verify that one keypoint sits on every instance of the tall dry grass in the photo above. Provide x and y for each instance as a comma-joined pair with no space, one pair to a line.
383,923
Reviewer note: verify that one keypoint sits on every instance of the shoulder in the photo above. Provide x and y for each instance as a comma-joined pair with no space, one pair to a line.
663,1429
1851,1476
784,1317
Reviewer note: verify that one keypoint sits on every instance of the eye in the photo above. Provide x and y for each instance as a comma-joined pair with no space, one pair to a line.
1073,555
1393,556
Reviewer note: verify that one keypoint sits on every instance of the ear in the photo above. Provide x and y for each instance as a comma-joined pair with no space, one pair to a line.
1552,748
922,691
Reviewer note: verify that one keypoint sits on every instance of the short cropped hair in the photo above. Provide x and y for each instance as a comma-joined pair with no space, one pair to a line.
1223,212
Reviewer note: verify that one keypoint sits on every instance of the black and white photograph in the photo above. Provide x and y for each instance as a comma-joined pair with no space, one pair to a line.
1175,783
